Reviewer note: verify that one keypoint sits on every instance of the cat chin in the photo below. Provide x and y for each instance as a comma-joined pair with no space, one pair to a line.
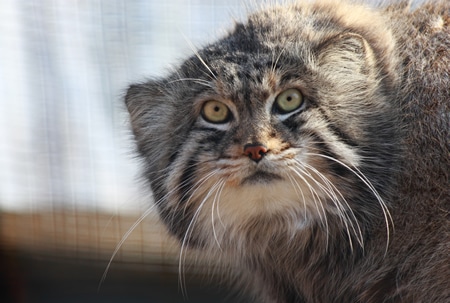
260,178
263,198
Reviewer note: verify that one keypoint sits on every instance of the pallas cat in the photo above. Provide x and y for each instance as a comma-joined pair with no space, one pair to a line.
309,147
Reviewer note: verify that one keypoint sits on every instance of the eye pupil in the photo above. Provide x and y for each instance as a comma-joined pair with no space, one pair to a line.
215,112
288,101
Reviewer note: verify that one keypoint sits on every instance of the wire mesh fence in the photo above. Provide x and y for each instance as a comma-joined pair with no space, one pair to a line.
68,178
69,186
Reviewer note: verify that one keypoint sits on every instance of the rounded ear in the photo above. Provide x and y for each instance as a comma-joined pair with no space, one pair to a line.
132,96
346,53
148,106
150,117
141,96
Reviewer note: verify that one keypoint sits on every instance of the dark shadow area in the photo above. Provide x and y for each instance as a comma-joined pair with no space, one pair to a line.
33,279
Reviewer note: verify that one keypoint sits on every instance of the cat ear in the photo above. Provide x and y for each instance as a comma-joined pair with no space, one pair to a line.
150,113
147,104
141,96
347,53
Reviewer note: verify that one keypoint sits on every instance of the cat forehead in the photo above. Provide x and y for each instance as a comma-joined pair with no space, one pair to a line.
243,73
257,45
271,48
247,64
256,77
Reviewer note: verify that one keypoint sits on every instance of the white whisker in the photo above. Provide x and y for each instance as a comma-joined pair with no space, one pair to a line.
387,215
122,240
275,62
191,192
195,80
194,50
296,186
337,198
189,229
215,201
217,207
316,198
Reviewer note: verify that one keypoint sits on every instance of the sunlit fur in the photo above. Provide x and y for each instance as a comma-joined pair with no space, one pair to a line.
334,212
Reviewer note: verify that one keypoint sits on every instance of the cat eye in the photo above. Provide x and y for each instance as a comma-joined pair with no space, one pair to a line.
288,101
215,112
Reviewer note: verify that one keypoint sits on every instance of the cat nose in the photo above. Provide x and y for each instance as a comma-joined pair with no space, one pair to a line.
255,151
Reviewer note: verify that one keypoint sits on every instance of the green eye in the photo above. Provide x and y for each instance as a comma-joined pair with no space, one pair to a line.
215,112
288,101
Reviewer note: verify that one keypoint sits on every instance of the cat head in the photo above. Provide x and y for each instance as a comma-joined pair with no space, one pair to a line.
285,124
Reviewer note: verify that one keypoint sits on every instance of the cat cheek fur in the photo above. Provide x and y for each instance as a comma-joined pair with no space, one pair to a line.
181,181
312,221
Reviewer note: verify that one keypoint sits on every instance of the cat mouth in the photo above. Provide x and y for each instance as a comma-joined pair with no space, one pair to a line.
260,177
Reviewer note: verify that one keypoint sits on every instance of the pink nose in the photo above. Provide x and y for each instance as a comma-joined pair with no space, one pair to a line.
255,151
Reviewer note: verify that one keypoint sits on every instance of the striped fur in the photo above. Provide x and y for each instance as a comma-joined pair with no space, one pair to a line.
313,220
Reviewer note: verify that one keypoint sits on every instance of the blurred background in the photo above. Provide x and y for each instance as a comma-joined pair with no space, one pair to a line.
69,186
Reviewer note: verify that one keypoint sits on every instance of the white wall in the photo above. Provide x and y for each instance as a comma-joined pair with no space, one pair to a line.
64,66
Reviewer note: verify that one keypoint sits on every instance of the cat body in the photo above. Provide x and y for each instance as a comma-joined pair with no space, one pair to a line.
310,148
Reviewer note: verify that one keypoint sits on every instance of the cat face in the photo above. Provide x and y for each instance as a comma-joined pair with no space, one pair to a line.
278,127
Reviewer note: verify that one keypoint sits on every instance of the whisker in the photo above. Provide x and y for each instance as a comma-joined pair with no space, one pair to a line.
189,229
218,212
215,201
297,186
188,192
196,187
122,240
197,54
274,64
333,193
387,215
195,80
316,198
